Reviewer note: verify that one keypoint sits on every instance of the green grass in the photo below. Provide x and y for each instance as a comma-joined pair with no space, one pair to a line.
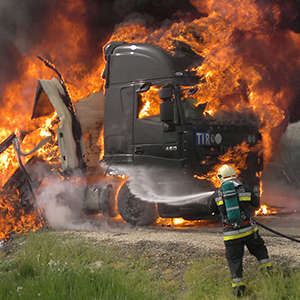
208,279
56,265
48,265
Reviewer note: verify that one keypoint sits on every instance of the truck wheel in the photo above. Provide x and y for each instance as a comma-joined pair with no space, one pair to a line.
135,211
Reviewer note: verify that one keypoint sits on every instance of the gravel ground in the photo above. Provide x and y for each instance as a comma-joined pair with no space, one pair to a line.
176,245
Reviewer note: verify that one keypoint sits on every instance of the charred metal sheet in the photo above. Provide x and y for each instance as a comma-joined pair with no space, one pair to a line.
5,144
46,91
51,96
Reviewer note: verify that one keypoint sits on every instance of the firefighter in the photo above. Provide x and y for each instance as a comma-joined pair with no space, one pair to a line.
238,227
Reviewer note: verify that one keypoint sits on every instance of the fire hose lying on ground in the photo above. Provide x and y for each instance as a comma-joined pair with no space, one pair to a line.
276,232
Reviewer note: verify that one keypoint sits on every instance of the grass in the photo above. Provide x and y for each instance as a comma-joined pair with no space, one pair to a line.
56,265
49,265
209,279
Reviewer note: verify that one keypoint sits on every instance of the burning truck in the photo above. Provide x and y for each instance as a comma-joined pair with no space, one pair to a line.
177,145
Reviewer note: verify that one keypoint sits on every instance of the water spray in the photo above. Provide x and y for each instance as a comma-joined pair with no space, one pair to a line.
200,198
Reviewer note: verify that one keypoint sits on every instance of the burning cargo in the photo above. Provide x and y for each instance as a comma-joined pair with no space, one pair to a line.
175,144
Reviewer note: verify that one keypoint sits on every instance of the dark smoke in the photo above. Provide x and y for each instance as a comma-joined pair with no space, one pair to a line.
102,17
21,27
290,14
26,24
290,20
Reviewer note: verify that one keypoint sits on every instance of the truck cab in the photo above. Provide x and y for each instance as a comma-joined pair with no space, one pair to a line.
176,141
157,137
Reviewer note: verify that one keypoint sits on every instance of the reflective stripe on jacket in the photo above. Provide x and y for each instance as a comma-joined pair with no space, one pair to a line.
239,233
246,196
243,196
248,200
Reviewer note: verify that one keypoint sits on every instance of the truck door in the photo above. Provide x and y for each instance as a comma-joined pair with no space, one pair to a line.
118,128
152,144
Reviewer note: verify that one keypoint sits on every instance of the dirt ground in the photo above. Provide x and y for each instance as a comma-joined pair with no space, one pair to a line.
175,245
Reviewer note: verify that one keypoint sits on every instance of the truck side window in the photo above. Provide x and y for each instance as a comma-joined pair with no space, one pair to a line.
148,103
192,109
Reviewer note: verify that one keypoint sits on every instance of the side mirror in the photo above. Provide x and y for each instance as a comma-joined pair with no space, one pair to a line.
167,111
166,106
165,92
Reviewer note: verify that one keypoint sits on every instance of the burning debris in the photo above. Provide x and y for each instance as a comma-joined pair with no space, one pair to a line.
265,210
20,210
243,67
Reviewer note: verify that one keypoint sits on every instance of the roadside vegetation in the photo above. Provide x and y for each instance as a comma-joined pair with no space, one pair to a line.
60,265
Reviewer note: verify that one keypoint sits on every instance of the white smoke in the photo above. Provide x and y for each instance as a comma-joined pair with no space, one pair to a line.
281,178
62,202
161,186
281,195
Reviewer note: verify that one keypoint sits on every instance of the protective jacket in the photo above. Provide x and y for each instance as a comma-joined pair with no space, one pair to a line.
248,201
240,233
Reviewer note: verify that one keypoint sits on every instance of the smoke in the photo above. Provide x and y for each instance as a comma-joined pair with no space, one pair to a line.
62,202
281,177
29,24
34,27
26,25
280,194
22,24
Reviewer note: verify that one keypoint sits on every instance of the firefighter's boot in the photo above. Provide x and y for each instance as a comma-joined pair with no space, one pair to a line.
238,287
239,291
266,266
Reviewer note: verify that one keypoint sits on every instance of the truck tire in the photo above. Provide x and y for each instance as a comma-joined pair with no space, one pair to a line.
135,211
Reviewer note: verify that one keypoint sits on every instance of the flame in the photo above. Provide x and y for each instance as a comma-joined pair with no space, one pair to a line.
14,218
245,70
265,210
234,157
242,68
66,41
19,94
181,223
150,103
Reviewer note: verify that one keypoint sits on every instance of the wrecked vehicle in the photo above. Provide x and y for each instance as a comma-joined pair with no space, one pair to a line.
172,145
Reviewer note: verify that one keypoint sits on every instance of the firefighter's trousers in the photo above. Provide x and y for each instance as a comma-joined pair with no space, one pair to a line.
235,253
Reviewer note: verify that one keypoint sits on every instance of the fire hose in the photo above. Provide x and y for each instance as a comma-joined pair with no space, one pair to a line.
276,232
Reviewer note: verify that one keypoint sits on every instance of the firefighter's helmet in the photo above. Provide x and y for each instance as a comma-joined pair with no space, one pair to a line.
226,173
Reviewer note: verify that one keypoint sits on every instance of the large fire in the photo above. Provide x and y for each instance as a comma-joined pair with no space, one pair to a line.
245,70
238,155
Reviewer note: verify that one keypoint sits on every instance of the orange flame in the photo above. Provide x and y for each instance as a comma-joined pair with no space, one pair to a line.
66,40
181,223
264,210
241,66
238,76
234,157
150,103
